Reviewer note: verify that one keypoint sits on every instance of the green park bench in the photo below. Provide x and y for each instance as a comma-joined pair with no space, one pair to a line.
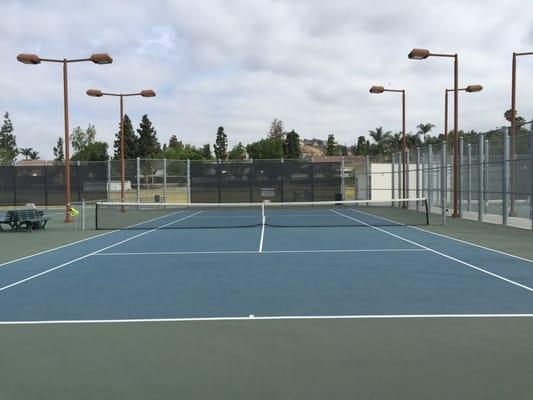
27,219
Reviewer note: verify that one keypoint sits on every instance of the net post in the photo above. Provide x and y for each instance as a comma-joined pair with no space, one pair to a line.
427,211
430,177
417,160
108,189
469,177
188,181
165,180
138,179
459,175
342,177
505,176
481,152
443,181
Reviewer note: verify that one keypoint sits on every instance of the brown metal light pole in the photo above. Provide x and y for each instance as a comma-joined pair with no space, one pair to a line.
468,89
379,90
421,54
143,93
513,127
34,59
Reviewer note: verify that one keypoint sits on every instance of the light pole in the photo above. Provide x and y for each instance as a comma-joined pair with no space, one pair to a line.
143,93
34,59
513,127
421,54
379,90
468,89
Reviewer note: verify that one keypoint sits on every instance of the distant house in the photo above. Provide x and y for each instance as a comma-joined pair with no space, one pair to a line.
33,163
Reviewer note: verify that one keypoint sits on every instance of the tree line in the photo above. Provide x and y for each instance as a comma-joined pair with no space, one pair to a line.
278,143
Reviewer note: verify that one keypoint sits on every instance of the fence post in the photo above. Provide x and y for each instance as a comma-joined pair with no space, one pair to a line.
138,180
45,185
486,159
108,188
461,155
14,185
165,180
505,176
251,178
481,177
430,177
367,178
83,214
78,178
407,180
400,180
417,177
392,177
469,177
531,174
443,181
188,181
342,177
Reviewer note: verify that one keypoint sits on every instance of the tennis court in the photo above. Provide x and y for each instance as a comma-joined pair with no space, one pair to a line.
312,277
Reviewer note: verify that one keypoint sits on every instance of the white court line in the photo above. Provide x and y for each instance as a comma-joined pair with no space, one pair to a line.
267,318
93,253
174,253
441,254
449,237
80,241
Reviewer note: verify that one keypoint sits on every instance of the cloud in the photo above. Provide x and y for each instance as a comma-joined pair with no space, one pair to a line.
242,63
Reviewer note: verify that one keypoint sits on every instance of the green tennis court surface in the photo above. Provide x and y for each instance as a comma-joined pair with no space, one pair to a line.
341,302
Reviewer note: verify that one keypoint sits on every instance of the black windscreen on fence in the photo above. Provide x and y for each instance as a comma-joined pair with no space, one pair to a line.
45,184
259,180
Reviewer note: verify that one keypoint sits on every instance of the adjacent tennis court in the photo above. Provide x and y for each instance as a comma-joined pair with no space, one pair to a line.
356,279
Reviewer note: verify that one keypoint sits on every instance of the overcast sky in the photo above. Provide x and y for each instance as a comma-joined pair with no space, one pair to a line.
240,64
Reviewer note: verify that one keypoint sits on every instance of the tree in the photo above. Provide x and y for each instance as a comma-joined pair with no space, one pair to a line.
8,141
332,149
34,155
86,147
81,139
361,148
221,144
173,142
59,155
424,129
95,151
270,148
291,145
26,152
130,141
276,129
148,145
179,151
206,152
238,152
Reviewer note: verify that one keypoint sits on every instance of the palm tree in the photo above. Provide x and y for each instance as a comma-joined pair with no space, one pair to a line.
26,152
381,138
424,129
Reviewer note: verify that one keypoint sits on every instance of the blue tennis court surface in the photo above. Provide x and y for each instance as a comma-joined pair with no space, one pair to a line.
264,271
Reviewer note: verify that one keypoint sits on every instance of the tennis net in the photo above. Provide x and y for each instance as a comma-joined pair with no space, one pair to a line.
117,215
